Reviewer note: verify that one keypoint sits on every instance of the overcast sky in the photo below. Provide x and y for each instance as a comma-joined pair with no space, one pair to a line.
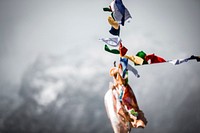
52,63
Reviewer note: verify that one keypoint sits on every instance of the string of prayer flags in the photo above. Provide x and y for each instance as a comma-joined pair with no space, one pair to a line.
120,101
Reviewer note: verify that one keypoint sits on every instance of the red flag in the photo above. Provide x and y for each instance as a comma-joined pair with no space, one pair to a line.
122,49
154,59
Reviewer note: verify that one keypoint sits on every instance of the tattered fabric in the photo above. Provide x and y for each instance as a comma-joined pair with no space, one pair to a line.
114,41
120,12
114,51
137,60
115,32
154,59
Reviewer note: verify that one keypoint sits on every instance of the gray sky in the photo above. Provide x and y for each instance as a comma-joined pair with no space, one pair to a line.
47,47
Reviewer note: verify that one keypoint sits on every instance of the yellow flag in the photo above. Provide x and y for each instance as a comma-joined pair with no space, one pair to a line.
135,59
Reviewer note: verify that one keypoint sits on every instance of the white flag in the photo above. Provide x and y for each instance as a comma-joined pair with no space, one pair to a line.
115,41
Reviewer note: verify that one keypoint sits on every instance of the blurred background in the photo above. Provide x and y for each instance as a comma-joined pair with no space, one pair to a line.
54,70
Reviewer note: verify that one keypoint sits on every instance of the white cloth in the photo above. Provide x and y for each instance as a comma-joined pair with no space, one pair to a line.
132,69
178,61
114,41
